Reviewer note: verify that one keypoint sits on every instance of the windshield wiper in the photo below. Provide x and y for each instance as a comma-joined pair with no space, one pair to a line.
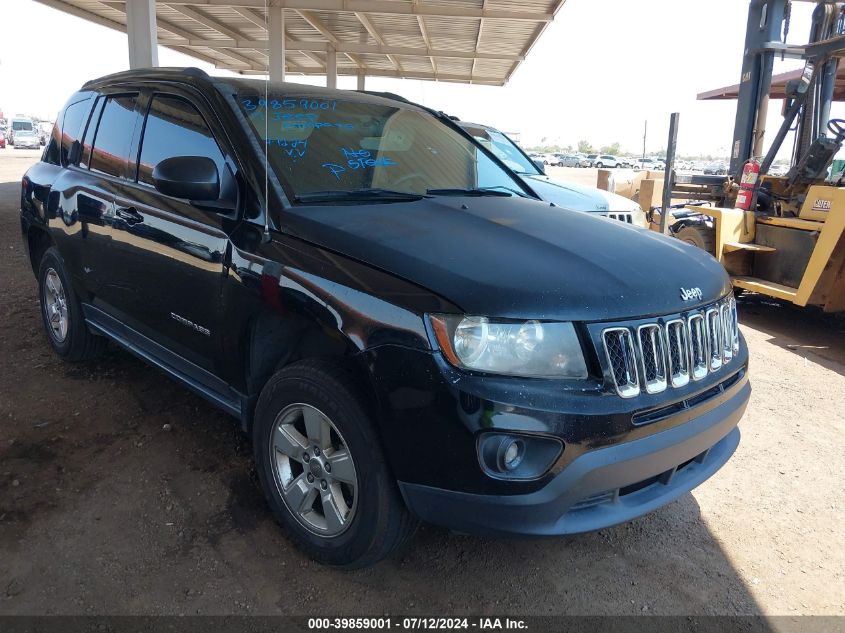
499,190
358,194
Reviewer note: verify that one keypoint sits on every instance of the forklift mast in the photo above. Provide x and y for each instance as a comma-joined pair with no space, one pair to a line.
809,99
765,26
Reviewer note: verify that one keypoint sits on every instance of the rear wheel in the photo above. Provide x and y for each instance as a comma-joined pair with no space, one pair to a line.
699,235
61,312
600,165
322,468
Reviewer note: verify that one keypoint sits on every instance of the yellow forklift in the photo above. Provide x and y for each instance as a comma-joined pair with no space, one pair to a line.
781,236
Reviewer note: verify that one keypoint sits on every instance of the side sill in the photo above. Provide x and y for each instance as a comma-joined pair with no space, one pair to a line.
195,378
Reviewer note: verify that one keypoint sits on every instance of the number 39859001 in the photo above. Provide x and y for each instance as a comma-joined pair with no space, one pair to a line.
251,105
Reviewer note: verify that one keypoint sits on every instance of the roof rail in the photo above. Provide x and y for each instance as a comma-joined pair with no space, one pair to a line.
167,72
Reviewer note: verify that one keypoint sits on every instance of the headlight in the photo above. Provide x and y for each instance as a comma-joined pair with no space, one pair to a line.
527,348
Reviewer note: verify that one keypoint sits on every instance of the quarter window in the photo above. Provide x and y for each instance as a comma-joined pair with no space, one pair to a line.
72,124
175,128
52,149
114,134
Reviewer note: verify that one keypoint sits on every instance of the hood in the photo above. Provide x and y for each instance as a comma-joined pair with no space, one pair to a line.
517,257
569,195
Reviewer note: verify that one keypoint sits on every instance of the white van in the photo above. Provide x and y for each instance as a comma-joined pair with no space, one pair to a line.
17,124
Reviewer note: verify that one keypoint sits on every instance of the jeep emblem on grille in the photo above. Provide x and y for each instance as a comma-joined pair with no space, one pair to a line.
688,294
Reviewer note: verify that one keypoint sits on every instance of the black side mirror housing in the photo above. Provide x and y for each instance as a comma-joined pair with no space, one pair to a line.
194,178
540,165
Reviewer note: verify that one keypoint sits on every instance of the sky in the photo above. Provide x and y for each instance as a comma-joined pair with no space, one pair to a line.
598,72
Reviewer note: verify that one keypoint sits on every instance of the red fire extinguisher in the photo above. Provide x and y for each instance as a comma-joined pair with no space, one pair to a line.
747,184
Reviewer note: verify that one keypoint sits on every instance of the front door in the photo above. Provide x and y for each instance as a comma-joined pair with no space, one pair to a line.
172,253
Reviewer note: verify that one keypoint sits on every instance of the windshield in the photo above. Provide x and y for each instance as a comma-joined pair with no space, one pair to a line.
503,148
316,145
21,125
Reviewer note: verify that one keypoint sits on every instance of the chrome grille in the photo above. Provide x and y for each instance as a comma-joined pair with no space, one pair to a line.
734,328
677,339
654,356
727,332
713,320
698,346
622,216
619,349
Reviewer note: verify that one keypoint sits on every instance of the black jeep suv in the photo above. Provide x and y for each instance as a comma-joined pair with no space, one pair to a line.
403,329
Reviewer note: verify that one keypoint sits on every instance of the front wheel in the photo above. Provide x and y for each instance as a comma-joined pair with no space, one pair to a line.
600,165
322,468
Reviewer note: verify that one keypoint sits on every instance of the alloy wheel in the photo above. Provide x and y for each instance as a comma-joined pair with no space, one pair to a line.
313,470
55,306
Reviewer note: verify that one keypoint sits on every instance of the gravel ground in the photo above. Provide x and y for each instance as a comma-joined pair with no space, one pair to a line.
122,493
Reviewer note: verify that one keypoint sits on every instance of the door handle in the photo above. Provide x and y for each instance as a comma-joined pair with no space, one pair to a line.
129,215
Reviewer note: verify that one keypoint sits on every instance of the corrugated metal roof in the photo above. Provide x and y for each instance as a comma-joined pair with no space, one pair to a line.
778,88
473,41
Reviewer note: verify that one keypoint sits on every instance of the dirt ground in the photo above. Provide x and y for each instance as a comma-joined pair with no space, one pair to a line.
104,510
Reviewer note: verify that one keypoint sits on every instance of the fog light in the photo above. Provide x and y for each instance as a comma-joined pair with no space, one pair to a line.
511,453
517,456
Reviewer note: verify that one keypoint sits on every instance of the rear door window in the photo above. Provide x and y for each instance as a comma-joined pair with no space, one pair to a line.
114,136
90,131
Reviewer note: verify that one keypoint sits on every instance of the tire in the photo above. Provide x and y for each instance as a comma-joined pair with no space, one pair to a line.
374,519
67,332
600,165
701,236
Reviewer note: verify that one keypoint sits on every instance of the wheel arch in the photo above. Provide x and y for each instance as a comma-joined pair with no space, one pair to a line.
275,342
38,241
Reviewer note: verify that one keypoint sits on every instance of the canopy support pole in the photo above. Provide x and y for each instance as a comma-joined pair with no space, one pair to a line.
331,68
143,36
276,34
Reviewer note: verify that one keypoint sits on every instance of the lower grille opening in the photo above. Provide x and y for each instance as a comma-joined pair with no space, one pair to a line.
645,483
610,496
589,502
647,417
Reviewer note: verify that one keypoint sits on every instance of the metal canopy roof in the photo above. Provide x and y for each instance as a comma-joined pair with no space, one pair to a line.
778,90
473,41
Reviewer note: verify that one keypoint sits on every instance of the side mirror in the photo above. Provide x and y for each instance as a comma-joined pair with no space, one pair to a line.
194,178
540,165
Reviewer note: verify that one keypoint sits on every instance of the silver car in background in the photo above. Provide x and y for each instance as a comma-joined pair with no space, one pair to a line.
568,160
564,194
27,139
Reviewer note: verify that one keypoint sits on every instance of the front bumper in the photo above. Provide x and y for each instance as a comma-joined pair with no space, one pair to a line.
600,488
622,457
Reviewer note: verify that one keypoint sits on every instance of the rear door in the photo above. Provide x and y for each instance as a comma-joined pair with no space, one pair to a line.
172,254
81,201
98,177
